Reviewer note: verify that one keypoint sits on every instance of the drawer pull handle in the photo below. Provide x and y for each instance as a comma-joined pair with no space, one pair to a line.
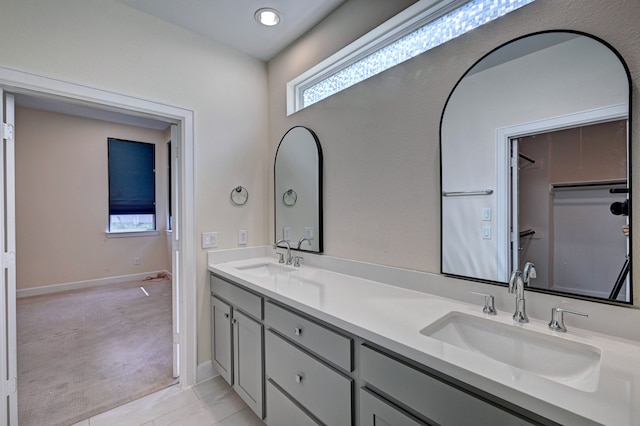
298,378
297,331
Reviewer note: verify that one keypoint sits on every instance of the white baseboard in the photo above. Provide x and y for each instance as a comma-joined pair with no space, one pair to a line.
205,371
77,285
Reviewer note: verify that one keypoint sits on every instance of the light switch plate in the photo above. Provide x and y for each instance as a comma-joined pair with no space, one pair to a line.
209,239
486,214
486,232
286,233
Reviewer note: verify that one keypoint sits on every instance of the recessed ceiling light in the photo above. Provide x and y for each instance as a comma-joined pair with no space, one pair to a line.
267,16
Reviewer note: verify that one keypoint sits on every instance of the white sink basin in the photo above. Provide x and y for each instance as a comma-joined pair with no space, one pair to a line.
265,269
570,363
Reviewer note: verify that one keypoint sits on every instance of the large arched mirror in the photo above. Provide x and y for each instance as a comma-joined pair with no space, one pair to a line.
535,167
298,190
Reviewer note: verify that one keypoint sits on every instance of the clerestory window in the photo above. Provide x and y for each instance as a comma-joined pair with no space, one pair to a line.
399,39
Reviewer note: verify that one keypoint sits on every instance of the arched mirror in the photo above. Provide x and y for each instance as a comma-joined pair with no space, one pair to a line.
298,190
535,167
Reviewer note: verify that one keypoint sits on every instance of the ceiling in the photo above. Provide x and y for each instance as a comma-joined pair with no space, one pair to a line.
229,22
232,23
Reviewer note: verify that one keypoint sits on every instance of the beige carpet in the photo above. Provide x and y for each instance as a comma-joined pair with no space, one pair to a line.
84,352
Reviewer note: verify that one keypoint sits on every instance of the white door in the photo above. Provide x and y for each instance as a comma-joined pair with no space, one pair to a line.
8,354
515,227
175,244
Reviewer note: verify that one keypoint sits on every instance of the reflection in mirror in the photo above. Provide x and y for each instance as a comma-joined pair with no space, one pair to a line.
564,205
543,125
298,190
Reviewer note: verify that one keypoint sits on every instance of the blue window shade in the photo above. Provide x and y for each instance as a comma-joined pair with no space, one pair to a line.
131,177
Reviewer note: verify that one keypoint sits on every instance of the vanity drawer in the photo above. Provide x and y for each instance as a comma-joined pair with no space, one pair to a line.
437,401
320,340
320,389
246,301
282,411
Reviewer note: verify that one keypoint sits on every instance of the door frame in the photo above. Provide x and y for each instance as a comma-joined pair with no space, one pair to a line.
18,82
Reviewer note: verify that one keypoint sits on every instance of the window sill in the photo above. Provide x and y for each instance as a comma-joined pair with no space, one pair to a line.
131,234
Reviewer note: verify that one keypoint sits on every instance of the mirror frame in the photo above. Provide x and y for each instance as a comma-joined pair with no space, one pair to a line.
629,170
276,198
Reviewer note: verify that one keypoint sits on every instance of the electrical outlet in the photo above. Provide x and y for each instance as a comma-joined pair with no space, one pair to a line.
286,233
209,239
308,232
137,261
242,237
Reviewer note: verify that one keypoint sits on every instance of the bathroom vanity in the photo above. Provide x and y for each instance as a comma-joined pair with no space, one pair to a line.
313,346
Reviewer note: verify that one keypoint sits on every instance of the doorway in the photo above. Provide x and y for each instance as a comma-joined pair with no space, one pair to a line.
568,180
97,315
183,241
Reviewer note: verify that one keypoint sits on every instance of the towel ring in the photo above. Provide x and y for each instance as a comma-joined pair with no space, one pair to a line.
289,197
239,195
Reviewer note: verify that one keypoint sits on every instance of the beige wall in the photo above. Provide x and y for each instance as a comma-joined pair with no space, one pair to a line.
62,201
380,138
107,45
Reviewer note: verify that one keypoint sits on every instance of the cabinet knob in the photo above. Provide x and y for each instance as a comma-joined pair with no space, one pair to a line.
226,316
233,321
298,377
297,331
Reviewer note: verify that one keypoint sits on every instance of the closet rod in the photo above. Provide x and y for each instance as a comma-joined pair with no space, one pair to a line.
525,157
527,233
467,193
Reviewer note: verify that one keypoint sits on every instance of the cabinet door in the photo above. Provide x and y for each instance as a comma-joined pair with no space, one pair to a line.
248,370
221,347
376,412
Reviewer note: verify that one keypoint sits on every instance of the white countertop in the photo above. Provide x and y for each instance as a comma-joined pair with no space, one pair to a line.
392,317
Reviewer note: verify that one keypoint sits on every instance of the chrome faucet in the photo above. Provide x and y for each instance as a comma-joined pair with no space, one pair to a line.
302,240
528,273
277,244
517,283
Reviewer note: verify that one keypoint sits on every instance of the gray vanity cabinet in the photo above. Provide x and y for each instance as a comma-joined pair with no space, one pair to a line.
311,373
238,340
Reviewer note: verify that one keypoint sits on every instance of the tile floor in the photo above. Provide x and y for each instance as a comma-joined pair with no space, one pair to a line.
209,403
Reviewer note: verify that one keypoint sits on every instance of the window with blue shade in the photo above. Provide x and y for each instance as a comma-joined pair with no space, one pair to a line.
132,188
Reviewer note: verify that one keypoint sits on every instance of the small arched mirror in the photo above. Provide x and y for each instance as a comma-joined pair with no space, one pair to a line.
298,190
535,167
